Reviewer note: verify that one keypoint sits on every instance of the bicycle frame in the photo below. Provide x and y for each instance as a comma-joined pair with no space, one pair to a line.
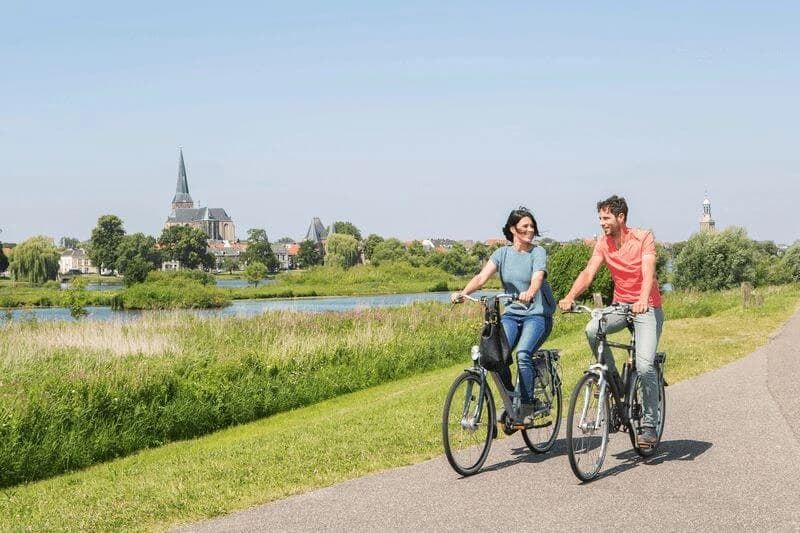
601,369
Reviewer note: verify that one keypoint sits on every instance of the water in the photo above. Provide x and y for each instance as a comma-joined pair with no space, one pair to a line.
243,308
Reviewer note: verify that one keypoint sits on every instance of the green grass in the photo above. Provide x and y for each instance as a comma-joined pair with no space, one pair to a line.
388,278
390,425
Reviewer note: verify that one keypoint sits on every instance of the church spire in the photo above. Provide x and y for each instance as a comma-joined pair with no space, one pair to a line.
182,197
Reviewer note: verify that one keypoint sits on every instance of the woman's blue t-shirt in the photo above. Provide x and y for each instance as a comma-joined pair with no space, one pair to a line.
516,269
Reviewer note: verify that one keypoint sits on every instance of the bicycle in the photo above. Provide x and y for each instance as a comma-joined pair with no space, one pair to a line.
469,420
593,412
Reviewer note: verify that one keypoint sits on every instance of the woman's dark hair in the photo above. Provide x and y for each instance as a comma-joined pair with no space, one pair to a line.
515,216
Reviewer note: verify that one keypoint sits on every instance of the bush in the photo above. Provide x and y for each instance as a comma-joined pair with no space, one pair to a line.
716,261
175,292
567,262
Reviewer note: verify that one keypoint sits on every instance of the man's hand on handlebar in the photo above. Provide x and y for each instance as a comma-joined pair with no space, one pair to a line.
457,297
566,304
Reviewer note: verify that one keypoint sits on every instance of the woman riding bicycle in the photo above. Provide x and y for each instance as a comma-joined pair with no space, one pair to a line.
522,266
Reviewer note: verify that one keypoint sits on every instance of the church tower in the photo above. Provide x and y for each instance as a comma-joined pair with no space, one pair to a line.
706,222
182,199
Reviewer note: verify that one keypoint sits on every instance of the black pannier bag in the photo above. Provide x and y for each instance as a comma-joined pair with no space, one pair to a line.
495,353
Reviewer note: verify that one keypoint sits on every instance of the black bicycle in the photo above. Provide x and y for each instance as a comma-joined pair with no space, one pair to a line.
604,401
469,418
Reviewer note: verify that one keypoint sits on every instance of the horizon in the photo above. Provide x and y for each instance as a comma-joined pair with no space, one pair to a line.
410,121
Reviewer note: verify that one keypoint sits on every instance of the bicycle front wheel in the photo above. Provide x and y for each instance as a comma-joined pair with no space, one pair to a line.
468,421
541,437
587,428
636,414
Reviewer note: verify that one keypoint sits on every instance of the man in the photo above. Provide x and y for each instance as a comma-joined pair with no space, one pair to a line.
630,255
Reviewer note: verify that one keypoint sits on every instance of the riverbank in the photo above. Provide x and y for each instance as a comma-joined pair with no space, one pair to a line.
388,278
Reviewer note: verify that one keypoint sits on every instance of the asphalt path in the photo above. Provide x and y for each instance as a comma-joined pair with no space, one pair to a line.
729,460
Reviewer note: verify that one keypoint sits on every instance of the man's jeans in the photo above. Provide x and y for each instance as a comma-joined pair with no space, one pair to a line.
647,331
528,333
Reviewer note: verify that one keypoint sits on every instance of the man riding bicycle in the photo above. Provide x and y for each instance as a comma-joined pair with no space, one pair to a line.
630,255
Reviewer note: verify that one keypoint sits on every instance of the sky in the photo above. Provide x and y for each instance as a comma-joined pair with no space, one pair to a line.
409,119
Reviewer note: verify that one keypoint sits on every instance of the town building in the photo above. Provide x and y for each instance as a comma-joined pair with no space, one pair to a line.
74,261
214,221
707,223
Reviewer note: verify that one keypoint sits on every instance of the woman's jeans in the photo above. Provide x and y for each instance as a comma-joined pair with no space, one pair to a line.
647,331
528,333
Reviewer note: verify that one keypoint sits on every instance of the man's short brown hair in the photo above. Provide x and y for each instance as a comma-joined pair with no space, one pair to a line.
615,204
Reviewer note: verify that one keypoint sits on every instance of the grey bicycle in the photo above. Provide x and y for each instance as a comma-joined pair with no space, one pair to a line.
469,418
603,401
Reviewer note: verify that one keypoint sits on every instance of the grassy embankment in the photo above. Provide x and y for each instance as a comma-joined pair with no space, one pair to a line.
389,425
388,278
166,292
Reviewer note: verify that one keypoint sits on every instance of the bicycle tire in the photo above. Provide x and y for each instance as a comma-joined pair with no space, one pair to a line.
636,412
541,437
467,443
587,434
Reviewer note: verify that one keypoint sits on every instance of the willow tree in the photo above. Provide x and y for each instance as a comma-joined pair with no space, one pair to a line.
35,260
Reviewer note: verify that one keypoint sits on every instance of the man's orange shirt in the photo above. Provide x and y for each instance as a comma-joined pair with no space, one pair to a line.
625,265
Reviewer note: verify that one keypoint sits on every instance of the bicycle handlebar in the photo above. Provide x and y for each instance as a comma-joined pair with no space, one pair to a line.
623,309
507,296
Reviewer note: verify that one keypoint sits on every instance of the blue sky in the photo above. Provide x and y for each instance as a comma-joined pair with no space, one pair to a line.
412,120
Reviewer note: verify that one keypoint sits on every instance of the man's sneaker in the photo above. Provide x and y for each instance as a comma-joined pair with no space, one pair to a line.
647,437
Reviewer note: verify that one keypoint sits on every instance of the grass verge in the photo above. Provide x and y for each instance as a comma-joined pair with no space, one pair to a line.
332,441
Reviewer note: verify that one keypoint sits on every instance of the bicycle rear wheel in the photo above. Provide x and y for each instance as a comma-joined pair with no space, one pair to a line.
468,421
541,437
587,428
636,414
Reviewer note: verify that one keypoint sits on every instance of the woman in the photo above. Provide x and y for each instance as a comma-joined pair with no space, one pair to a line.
522,266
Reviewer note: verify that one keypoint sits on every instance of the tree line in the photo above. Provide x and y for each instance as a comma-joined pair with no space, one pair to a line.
706,261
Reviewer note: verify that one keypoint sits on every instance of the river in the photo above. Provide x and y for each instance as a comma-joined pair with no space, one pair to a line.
242,308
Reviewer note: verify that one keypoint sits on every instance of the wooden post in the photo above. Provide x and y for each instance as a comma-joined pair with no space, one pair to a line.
747,293
597,299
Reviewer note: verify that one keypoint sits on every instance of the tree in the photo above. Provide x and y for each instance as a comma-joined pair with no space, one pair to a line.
285,240
549,245
715,261
259,249
455,261
69,243
229,264
254,272
370,243
347,228
308,255
480,252
35,260
389,250
136,256
186,244
791,258
3,260
567,262
341,250
76,297
104,242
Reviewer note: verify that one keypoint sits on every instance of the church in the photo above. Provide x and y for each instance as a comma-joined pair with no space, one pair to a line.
214,221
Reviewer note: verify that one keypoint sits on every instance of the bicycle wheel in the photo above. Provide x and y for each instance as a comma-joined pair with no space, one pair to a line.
587,428
468,422
541,437
636,414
